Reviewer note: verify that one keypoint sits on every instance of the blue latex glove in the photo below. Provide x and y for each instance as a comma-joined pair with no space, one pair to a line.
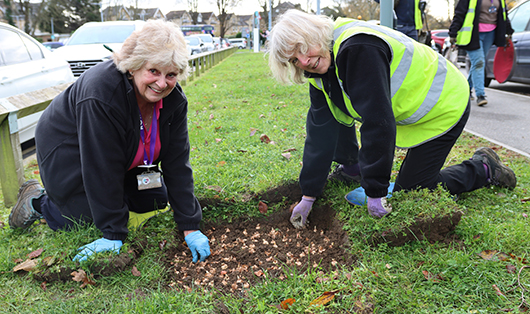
358,196
378,207
100,245
198,244
301,211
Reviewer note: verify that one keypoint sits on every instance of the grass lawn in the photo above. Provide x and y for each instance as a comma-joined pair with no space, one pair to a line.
247,134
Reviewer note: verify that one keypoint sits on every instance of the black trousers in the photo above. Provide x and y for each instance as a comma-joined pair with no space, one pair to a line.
422,166
139,201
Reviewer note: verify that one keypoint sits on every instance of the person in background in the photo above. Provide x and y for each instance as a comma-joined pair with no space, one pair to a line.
100,143
404,94
476,26
409,20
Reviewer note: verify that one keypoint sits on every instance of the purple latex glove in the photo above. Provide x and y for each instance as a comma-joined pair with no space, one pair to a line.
378,207
301,211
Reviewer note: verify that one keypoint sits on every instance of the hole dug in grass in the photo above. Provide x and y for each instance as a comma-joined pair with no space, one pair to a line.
249,250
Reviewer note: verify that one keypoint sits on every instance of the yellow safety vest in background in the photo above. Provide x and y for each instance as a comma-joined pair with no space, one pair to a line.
463,36
429,94
417,15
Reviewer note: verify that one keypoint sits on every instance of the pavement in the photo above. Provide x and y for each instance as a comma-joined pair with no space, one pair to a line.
505,120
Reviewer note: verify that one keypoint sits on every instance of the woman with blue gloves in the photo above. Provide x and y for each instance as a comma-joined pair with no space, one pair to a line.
100,144
402,92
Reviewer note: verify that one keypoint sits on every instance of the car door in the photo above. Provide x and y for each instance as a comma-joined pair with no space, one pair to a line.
520,19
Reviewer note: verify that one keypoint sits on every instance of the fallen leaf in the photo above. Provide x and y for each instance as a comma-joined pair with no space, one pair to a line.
81,276
221,163
2,225
292,207
49,260
217,140
265,139
162,244
289,150
511,269
215,188
27,265
262,207
253,131
261,116
218,127
211,116
525,215
524,200
388,266
287,155
434,278
493,255
258,273
136,272
43,286
497,290
286,303
214,86
35,253
325,298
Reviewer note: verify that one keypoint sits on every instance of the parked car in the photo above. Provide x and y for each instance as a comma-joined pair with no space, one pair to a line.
438,36
520,19
52,45
196,44
241,43
25,66
207,39
217,42
92,43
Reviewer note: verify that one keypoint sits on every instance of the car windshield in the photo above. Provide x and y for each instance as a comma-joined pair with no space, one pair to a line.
102,34
206,38
193,41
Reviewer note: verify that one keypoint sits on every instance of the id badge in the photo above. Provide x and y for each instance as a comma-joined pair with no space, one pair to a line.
149,180
492,9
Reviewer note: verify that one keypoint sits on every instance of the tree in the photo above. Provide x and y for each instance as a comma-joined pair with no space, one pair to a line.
264,4
224,17
193,6
68,15
362,9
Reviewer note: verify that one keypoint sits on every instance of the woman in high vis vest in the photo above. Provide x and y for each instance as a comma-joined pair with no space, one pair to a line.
478,24
402,92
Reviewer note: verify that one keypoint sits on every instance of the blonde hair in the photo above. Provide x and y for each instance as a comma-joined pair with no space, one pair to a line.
160,43
297,31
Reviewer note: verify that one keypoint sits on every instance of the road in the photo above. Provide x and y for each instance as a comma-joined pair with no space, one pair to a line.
505,120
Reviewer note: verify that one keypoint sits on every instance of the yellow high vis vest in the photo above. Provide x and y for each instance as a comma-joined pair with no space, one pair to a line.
429,94
463,36
417,15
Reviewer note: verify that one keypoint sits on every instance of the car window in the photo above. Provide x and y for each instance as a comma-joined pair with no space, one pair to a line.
33,49
12,48
193,41
207,38
102,34
519,17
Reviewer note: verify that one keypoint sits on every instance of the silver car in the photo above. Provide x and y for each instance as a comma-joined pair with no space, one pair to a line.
25,66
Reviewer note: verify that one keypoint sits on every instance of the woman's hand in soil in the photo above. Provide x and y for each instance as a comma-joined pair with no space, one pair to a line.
301,211
378,207
100,245
198,244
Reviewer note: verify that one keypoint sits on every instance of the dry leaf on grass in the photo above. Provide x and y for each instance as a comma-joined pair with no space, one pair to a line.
262,207
35,253
81,276
27,265
497,290
136,272
265,139
325,298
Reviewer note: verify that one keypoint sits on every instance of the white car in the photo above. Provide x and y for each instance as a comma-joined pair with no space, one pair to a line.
207,40
25,66
94,42
240,43
195,45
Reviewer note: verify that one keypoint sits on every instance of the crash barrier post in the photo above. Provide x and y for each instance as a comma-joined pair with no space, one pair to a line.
11,159
199,63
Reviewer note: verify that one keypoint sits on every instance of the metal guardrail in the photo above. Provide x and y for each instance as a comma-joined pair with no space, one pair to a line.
19,106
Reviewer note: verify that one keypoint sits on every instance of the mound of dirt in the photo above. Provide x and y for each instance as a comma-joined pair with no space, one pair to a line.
247,251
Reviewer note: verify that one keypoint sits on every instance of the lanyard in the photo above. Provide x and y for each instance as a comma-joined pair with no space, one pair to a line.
148,160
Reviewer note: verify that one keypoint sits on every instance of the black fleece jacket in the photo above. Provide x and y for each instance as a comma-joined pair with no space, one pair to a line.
87,139
363,63
503,27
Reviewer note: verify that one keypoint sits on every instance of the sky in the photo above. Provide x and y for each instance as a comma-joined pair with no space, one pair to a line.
247,7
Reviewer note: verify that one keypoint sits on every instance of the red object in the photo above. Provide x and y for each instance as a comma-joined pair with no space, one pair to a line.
503,62
438,36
